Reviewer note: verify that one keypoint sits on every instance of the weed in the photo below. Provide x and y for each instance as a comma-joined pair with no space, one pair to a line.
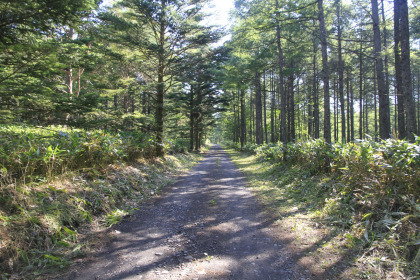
370,192
56,181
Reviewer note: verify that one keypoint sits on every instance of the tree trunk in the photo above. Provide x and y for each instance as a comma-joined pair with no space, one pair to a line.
273,108
325,74
198,123
265,109
283,115
258,109
341,74
251,118
191,118
291,109
316,95
375,108
361,87
406,71
243,120
335,102
384,119
398,72
160,89
348,106
385,35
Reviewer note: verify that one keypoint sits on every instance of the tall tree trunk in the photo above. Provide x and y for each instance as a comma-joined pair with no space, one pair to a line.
283,108
265,109
238,118
361,87
243,120
192,118
348,106
258,109
251,118
366,112
316,95
335,102
292,107
406,71
325,74
235,124
310,112
418,100
273,109
375,108
352,111
386,59
398,72
160,90
341,74
384,118
198,130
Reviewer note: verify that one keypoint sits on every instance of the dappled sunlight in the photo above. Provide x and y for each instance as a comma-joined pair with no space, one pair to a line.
208,225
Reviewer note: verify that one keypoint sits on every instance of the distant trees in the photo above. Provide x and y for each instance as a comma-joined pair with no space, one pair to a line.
341,48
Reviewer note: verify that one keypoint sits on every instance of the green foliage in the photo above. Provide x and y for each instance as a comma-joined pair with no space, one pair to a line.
33,154
369,189
41,214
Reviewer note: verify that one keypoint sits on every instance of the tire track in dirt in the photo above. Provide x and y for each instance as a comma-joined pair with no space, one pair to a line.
206,226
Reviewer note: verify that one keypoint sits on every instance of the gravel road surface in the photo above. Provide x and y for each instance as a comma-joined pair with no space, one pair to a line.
208,225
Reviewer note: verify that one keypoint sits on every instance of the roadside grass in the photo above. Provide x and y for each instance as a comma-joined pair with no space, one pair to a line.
333,237
52,210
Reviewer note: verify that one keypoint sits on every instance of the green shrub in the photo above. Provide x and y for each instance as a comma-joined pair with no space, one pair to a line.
30,153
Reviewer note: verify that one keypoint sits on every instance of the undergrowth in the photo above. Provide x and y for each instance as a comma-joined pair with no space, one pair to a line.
370,191
58,185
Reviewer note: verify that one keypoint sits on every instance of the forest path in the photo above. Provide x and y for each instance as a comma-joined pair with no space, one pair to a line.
208,225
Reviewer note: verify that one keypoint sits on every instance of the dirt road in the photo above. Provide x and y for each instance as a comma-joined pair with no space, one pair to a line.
206,226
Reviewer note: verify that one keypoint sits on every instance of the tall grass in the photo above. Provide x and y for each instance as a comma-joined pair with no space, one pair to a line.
373,190
55,180
33,153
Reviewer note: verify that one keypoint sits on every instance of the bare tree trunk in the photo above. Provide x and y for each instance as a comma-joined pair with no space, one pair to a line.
243,120
292,107
273,108
406,71
283,108
251,118
198,123
335,102
384,119
310,112
160,89
398,72
375,108
258,109
325,74
361,89
235,135
265,109
385,35
316,95
348,106
341,74
192,118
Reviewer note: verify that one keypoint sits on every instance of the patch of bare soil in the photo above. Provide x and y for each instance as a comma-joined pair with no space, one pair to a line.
206,226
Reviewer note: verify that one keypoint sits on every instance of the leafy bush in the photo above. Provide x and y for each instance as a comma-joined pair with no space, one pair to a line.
373,189
28,153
